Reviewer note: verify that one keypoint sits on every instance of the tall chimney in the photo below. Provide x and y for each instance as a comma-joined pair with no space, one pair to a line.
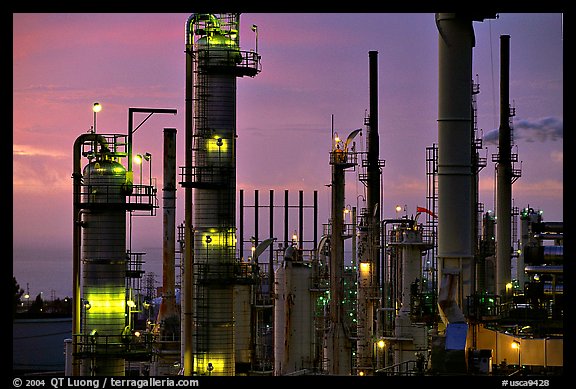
373,156
504,175
167,315
456,39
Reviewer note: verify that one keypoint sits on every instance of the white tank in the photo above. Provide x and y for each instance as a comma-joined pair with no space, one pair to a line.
293,316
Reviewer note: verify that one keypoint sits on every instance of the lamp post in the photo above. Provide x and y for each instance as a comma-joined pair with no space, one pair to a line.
148,157
132,130
255,29
97,107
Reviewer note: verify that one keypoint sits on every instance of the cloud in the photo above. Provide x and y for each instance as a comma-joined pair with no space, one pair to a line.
541,130
34,151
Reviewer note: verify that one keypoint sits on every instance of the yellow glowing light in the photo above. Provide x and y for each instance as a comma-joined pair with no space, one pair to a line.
361,373
97,107
515,344
118,170
137,159
217,144
107,302
381,344
216,239
364,267
216,361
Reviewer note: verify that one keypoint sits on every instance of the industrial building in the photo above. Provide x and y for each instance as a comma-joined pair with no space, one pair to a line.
432,294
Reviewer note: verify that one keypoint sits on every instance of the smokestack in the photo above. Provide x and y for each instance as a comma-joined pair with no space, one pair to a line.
373,171
369,269
373,168
504,175
167,314
456,39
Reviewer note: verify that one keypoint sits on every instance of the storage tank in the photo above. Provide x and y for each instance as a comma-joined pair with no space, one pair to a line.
293,316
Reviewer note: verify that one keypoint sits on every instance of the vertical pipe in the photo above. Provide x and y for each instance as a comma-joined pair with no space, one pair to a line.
271,204
286,218
76,241
187,273
504,175
241,221
256,217
300,219
315,218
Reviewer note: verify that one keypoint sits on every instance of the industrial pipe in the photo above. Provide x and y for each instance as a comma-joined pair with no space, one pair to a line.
76,228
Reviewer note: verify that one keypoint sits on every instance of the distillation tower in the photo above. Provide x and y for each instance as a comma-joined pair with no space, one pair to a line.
103,192
213,63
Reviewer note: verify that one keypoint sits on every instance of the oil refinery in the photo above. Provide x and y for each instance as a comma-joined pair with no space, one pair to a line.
432,294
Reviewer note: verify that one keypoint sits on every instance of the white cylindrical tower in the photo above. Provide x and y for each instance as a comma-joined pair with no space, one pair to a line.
411,337
293,316
455,42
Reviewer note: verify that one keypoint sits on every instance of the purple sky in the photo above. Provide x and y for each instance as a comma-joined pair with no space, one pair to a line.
313,66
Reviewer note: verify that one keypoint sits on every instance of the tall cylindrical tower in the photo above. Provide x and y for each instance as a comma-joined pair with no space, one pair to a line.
293,315
410,336
504,176
455,170
213,42
456,39
104,266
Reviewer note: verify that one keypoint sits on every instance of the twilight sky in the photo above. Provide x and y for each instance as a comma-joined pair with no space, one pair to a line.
314,71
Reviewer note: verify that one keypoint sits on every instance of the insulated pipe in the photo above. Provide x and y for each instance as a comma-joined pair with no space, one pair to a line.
187,285
455,243
544,269
504,175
